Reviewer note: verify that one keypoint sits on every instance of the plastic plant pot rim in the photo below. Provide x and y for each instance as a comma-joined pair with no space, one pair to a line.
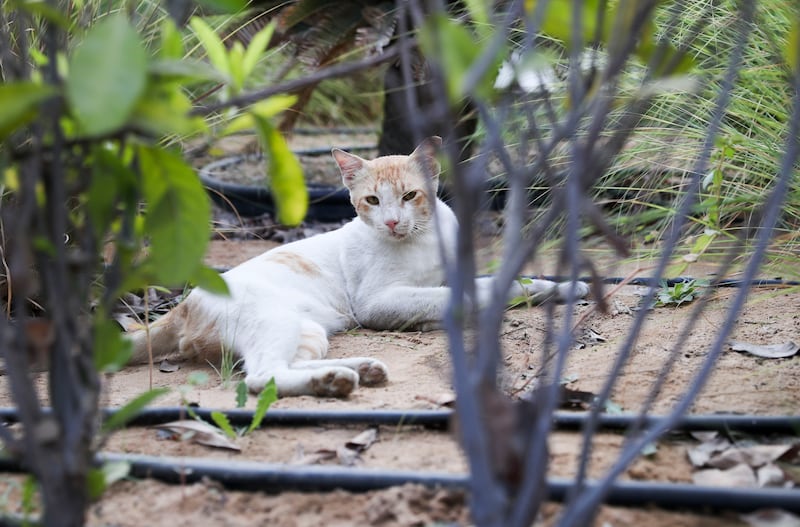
439,419
326,202
276,478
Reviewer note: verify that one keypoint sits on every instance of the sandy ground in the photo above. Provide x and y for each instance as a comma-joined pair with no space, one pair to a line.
419,374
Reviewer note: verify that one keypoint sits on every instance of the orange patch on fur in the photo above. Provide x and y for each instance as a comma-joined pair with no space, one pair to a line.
295,262
391,169
199,339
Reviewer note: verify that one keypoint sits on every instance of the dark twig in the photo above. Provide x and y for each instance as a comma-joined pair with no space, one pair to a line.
293,85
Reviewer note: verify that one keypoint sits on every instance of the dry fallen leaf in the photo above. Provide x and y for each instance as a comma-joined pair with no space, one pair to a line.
347,454
127,322
737,476
753,456
771,518
363,440
768,351
199,432
166,366
446,400
770,475
789,463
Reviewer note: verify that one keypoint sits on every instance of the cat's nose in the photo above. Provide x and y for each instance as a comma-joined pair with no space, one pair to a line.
391,224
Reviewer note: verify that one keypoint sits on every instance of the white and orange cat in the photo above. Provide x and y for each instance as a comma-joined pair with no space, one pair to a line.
380,271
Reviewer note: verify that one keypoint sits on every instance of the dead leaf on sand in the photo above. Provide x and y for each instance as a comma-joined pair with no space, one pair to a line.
347,454
166,366
726,464
445,400
771,518
198,432
767,351
737,476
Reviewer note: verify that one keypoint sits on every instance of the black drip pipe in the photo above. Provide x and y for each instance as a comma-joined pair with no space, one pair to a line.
647,281
277,478
439,419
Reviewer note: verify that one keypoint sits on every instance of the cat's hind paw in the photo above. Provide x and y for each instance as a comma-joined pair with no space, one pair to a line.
334,382
372,372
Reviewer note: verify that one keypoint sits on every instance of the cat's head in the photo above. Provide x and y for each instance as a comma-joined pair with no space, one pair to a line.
392,194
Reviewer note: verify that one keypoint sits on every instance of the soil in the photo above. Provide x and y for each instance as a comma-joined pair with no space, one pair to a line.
419,377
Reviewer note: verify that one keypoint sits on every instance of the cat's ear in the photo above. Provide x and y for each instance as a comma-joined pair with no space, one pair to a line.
425,156
349,165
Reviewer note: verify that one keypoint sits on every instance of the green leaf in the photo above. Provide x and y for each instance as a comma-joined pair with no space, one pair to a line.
210,280
213,45
285,174
792,50
197,378
241,394
178,217
235,66
29,489
111,350
649,450
478,11
221,420
164,110
557,19
256,49
266,109
107,75
224,6
457,50
121,417
19,104
612,408
99,479
265,399
111,182
185,71
43,10
171,41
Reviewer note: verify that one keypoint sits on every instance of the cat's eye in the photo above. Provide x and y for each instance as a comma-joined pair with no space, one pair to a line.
372,200
408,196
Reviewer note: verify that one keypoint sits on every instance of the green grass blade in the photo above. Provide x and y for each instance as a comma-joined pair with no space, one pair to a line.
221,420
121,417
265,399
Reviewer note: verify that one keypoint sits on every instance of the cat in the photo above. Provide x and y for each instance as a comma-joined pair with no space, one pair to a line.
380,271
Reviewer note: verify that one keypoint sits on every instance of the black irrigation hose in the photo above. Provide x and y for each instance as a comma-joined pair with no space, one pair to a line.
439,419
647,281
277,478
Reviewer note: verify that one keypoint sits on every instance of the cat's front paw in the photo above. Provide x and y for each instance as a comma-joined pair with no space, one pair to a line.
539,291
580,291
372,372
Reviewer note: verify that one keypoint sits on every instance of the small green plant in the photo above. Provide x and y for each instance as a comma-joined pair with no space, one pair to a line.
195,379
267,396
228,370
523,299
680,293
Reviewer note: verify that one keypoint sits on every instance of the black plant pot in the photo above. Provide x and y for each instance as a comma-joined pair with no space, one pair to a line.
326,202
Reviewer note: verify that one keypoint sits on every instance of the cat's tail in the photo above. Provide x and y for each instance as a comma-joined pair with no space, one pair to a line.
160,340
